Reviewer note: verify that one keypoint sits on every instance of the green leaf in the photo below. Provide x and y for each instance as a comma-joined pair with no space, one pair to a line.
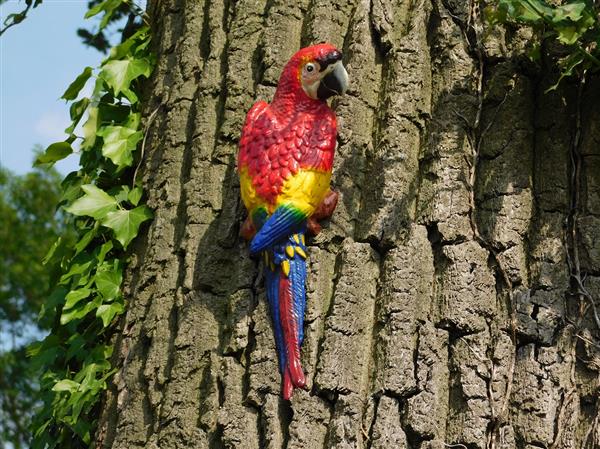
66,385
108,283
108,311
103,251
122,50
568,66
48,257
79,312
74,88
85,240
135,195
571,11
529,11
48,307
81,266
125,223
108,7
567,34
89,129
71,188
96,203
74,296
119,143
535,53
76,111
121,193
119,75
76,346
115,114
54,152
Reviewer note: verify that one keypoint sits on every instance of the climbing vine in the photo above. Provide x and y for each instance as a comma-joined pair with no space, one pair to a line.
574,24
105,203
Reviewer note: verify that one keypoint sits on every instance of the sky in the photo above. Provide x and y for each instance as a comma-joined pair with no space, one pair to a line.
39,58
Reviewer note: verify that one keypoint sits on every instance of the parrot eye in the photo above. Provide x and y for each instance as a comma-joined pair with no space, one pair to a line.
310,67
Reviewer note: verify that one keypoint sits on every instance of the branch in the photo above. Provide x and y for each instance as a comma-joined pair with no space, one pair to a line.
14,19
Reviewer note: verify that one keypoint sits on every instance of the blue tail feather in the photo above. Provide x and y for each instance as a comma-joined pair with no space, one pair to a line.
272,286
297,277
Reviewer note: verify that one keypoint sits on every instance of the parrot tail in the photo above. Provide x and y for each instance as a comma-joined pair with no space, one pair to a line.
286,292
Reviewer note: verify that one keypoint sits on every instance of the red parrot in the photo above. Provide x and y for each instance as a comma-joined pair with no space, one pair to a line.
285,162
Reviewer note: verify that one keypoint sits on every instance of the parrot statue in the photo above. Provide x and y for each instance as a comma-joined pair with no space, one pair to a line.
285,162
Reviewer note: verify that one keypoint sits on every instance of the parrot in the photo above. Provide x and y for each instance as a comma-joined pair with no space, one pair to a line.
285,163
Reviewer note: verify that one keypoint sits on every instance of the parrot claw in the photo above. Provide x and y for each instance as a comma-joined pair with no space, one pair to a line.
313,226
247,231
323,212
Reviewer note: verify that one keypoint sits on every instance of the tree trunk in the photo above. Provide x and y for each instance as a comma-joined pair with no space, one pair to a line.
444,305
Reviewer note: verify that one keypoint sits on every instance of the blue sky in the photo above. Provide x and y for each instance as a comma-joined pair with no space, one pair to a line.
38,60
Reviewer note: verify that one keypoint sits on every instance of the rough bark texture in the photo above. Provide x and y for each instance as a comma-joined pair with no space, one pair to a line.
441,310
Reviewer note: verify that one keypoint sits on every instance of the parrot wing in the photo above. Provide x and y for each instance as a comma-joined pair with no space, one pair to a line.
276,154
286,220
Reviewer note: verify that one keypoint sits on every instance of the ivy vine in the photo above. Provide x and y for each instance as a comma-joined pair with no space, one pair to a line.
106,209
572,23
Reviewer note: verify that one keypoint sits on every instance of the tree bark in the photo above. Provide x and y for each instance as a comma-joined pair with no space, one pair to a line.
444,308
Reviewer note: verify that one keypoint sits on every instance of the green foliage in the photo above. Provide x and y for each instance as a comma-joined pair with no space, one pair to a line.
107,215
113,12
17,397
573,23
28,222
14,19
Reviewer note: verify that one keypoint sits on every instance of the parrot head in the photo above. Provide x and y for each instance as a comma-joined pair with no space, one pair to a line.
315,71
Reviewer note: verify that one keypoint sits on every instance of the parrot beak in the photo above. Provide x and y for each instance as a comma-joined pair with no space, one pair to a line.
335,82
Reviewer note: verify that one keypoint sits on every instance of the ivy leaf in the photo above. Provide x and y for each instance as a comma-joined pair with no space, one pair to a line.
71,188
74,88
48,257
76,111
76,346
79,312
96,203
572,11
48,307
530,11
81,265
54,152
74,296
66,385
567,34
108,6
125,223
103,251
85,240
121,193
120,74
135,196
89,129
125,48
108,283
119,143
108,311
